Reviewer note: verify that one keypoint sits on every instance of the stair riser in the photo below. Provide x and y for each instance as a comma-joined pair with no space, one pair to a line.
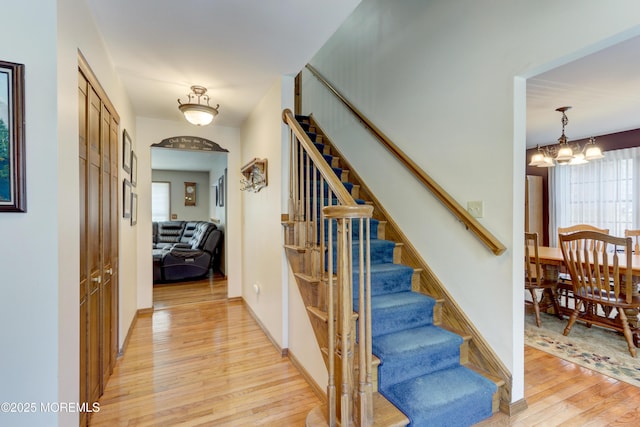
385,283
382,251
412,316
403,367
323,193
355,229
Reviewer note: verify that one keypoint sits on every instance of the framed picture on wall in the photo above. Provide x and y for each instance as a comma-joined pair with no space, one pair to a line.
126,151
221,191
126,198
12,150
134,168
134,208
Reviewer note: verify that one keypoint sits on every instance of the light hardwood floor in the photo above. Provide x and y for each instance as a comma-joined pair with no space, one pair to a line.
200,360
560,393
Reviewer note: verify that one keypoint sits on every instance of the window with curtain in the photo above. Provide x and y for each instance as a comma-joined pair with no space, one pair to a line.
604,193
160,201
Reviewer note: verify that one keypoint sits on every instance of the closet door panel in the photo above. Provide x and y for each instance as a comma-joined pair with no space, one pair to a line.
93,247
84,277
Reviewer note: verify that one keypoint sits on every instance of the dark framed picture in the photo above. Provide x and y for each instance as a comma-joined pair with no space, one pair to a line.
13,197
134,208
221,191
134,168
126,151
217,195
126,198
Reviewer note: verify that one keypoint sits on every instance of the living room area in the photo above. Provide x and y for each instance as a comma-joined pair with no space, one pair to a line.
188,214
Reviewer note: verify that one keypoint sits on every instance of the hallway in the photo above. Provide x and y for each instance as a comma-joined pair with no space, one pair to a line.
202,360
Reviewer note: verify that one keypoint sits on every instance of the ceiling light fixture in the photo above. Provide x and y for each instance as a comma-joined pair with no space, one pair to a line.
563,153
195,112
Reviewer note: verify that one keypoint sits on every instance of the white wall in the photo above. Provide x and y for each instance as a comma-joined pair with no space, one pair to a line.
39,284
444,80
261,136
151,131
29,285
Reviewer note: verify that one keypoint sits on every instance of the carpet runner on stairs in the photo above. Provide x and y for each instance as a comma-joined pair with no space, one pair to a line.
420,369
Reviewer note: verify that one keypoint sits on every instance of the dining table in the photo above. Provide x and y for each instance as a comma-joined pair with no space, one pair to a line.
552,257
552,262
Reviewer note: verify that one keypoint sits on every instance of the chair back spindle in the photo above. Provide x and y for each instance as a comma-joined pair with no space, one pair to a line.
602,283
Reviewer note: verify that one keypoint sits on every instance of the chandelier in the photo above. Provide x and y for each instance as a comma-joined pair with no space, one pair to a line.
564,153
195,112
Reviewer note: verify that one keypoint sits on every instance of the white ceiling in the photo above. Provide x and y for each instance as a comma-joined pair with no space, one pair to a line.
237,48
602,88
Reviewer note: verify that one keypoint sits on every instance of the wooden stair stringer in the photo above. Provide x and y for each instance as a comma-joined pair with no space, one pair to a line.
480,355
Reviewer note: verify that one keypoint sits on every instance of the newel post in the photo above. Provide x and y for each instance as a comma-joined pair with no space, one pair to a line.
355,403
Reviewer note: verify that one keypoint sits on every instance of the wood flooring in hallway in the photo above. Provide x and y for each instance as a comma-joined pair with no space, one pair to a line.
201,360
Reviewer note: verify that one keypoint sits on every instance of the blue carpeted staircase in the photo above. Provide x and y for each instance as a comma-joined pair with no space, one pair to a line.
420,370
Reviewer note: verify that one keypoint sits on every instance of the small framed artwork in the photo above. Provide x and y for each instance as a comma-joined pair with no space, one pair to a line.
13,197
134,208
126,151
134,169
126,198
221,191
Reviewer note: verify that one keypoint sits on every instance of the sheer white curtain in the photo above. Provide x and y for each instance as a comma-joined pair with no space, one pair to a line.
604,193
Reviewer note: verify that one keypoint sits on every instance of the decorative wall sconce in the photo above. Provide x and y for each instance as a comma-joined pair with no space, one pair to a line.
563,153
195,112
254,175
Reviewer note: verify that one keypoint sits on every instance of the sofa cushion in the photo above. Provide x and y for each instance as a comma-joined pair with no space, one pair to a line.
168,233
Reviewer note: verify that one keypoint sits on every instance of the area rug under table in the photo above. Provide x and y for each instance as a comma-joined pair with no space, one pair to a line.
595,348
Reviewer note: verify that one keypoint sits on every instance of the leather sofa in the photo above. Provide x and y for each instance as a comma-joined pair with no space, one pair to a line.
184,250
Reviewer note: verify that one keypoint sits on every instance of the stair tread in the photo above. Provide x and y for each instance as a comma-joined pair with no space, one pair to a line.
412,353
413,340
464,398
399,299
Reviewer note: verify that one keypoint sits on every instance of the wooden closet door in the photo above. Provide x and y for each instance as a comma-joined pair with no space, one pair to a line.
98,198
109,197
84,276
93,246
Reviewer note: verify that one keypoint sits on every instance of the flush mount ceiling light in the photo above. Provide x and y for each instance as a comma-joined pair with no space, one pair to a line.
195,112
563,153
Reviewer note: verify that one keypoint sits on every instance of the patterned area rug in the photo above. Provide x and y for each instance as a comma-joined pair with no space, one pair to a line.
595,348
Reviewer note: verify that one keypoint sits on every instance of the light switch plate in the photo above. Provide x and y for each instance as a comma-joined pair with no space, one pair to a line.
476,208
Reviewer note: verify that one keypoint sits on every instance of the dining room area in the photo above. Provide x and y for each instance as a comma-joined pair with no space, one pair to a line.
582,258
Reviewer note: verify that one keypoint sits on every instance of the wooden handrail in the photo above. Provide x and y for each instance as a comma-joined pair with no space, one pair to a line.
343,196
454,207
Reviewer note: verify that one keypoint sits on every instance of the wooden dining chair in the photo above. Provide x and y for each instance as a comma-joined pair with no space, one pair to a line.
581,227
534,277
565,289
635,239
594,263
635,245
